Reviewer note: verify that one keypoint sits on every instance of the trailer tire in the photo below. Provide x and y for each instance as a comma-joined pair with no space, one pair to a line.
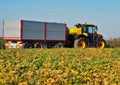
38,45
59,45
29,45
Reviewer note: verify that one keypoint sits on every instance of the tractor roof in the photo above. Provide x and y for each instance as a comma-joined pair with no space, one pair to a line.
78,24
88,24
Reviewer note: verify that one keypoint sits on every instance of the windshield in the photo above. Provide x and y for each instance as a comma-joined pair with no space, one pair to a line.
90,29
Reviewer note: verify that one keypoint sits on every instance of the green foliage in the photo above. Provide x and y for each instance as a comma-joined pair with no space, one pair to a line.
1,43
113,43
60,66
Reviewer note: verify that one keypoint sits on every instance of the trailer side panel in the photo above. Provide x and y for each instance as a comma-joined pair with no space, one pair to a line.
23,30
11,30
55,31
33,30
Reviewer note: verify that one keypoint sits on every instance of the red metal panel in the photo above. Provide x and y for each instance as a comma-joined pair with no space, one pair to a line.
43,41
21,26
3,31
45,27
65,31
18,39
11,38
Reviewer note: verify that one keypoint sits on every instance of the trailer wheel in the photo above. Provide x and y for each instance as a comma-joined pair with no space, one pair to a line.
59,45
29,45
38,45
80,43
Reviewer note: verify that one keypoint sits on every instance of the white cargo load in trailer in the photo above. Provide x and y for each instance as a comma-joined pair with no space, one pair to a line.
29,34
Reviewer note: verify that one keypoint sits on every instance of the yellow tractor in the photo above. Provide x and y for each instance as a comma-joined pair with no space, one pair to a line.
85,35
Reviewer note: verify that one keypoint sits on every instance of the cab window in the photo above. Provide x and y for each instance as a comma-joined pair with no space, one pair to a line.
90,29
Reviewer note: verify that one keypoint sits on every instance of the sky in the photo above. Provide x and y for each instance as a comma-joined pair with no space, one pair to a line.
103,13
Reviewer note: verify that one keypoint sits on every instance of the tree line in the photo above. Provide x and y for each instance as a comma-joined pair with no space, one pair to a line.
2,43
113,43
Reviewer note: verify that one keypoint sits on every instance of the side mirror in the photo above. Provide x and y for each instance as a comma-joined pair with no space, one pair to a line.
96,28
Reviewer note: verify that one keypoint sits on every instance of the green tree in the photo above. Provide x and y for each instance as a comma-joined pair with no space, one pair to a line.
2,43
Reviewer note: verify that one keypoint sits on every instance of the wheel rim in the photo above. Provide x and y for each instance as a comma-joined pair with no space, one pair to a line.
101,44
82,44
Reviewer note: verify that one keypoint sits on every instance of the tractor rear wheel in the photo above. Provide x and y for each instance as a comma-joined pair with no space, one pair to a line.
80,43
101,43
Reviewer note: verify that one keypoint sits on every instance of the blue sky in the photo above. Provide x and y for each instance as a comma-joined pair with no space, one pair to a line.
104,13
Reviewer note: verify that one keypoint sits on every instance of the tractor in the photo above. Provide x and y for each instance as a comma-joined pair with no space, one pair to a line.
85,35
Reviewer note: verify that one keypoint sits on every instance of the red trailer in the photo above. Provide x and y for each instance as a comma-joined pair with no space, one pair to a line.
33,34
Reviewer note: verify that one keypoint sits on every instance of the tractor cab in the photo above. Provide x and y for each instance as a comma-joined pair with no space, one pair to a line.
89,30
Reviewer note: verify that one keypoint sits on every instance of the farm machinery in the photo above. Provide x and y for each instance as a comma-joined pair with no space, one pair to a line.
85,35
35,34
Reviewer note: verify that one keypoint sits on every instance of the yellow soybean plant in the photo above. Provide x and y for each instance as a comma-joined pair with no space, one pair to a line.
64,66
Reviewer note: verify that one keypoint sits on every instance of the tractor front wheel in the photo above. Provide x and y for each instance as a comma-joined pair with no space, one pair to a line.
101,43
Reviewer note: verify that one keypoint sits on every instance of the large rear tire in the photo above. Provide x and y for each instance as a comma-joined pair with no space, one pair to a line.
80,43
101,43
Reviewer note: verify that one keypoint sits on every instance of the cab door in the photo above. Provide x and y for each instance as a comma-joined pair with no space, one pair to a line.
90,33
